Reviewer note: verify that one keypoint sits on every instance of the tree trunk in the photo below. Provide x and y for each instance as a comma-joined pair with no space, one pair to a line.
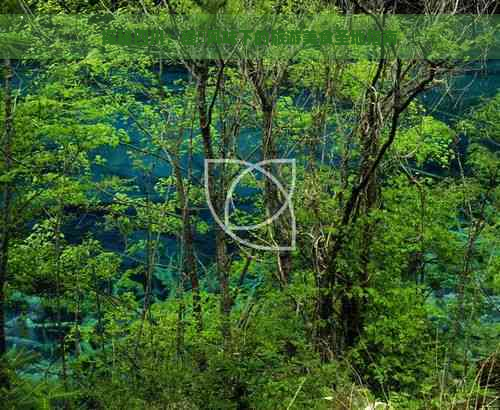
6,213
280,230
353,304
394,103
189,262
60,290
326,329
217,189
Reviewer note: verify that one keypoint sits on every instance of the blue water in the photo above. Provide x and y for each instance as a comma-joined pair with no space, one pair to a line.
448,107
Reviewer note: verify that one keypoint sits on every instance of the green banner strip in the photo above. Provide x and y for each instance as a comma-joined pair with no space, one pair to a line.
233,37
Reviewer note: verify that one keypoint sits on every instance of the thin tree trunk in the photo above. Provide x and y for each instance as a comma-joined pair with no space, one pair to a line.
189,262
100,325
77,326
217,188
148,274
6,213
148,277
280,229
59,291
189,267
179,337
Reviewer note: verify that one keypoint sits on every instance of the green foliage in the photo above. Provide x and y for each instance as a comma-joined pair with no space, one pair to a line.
428,140
398,349
109,140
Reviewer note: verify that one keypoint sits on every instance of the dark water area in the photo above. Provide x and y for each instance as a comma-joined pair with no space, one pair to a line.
478,82
25,326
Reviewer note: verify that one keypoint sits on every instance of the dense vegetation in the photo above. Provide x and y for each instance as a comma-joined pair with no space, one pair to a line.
119,290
